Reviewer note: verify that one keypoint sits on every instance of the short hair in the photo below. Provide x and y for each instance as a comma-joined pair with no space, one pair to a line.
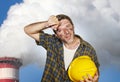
61,17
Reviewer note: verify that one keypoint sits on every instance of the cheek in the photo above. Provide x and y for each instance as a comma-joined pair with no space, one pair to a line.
60,35
71,31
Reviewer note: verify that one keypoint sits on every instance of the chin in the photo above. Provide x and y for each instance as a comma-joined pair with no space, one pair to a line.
69,41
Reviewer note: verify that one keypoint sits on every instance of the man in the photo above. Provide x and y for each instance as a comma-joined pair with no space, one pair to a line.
62,47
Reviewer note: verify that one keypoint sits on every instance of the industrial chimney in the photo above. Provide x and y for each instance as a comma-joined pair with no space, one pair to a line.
9,69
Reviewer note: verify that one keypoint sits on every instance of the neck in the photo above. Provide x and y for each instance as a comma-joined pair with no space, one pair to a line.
74,44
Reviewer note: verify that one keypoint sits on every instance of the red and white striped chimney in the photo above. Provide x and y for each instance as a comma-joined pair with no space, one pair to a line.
9,69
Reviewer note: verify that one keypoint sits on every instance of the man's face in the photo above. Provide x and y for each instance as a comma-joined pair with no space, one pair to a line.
65,31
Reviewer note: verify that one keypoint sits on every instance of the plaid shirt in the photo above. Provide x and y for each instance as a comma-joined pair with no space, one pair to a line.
55,68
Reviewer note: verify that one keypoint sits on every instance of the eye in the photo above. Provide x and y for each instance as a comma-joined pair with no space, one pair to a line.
67,25
58,30
71,28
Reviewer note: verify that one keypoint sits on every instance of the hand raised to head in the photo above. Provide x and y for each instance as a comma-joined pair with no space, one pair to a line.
53,22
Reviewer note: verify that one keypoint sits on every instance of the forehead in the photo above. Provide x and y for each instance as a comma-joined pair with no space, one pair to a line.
64,21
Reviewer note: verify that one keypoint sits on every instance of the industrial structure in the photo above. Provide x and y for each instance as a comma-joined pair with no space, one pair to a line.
9,69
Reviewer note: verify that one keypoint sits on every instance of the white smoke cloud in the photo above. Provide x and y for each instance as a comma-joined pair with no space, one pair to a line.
97,21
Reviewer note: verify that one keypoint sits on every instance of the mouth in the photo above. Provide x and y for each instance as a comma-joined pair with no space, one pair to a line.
68,36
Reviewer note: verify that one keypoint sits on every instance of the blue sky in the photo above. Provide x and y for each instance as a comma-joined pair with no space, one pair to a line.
4,7
32,73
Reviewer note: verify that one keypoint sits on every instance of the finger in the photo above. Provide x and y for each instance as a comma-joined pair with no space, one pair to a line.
54,18
55,27
85,79
96,73
53,21
96,77
81,81
89,77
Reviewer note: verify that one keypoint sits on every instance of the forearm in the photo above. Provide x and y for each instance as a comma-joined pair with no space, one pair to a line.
35,27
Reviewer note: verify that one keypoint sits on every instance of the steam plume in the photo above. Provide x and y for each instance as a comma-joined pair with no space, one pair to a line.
97,21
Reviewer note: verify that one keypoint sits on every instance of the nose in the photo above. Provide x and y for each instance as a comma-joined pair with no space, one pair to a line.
66,31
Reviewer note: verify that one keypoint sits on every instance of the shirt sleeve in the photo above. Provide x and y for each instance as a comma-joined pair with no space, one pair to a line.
45,40
94,58
89,49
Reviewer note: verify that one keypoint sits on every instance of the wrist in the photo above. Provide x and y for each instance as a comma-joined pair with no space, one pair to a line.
46,24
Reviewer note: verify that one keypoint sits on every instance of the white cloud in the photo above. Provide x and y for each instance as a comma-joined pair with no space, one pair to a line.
97,21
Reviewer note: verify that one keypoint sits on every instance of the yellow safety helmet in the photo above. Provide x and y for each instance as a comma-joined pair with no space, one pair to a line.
81,66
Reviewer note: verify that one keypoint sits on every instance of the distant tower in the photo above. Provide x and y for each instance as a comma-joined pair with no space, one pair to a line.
9,69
